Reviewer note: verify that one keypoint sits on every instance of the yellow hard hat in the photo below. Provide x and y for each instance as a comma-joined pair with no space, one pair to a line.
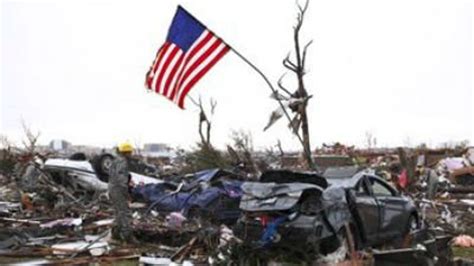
125,147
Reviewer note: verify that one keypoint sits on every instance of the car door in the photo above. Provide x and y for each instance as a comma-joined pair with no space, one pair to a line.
367,212
391,207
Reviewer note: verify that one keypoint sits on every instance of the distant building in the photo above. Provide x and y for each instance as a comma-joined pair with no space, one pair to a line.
59,145
90,150
158,150
322,161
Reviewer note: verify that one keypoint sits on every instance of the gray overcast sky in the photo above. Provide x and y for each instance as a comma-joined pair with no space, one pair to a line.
399,69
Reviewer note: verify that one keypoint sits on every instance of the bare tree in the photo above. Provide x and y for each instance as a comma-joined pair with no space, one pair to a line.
5,143
297,101
30,142
7,156
138,147
407,142
205,121
370,140
243,150
280,149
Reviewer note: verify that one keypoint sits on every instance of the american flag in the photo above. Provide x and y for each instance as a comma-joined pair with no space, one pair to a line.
187,55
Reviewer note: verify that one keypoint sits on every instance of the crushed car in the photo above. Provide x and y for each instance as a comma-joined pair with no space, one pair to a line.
212,194
306,213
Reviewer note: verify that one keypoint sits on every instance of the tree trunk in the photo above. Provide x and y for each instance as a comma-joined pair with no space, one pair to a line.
300,61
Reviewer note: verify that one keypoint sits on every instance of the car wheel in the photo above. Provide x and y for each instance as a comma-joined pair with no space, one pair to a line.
102,164
337,250
412,224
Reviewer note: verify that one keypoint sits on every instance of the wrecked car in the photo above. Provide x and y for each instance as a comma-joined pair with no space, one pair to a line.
307,212
212,194
93,174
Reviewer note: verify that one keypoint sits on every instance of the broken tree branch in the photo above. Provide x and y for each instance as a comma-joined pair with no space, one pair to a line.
304,54
280,85
203,119
31,138
290,65
270,86
213,106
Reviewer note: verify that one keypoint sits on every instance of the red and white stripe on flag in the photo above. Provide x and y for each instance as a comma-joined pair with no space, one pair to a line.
174,72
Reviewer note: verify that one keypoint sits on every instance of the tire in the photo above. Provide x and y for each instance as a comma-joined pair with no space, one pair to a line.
337,250
412,224
101,165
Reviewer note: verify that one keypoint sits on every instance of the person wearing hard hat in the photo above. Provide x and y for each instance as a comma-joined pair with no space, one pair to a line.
119,178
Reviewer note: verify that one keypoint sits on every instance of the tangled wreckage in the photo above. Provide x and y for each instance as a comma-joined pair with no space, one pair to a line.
311,211
58,210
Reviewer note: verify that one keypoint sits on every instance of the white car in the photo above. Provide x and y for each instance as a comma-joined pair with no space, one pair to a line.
93,174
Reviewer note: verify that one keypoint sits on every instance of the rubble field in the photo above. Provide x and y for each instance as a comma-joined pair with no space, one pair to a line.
397,207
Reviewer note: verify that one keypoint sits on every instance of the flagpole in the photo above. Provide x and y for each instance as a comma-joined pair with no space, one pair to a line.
274,91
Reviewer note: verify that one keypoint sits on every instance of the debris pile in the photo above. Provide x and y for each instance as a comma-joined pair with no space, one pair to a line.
57,210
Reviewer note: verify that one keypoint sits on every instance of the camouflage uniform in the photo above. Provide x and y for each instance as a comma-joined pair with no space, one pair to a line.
432,180
118,193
